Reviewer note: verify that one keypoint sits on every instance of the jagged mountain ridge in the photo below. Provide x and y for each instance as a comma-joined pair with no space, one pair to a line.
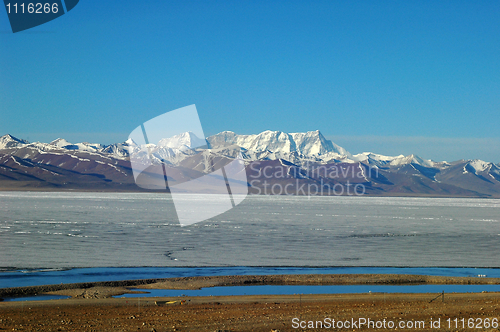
308,144
9,141
61,164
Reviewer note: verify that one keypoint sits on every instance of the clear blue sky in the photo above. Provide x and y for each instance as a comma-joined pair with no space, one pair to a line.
387,76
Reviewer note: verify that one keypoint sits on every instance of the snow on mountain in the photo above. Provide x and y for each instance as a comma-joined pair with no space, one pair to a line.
117,150
297,148
374,158
171,150
150,153
171,155
411,159
60,143
90,147
9,141
274,141
182,141
130,142
477,166
398,161
311,143
314,143
60,162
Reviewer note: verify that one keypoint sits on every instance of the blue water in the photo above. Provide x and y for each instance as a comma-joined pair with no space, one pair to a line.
330,289
20,278
109,235
36,298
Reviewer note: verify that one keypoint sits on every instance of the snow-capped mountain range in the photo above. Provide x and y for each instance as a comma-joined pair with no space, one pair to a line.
61,164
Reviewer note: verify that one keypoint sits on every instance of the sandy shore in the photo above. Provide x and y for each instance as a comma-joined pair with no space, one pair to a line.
91,307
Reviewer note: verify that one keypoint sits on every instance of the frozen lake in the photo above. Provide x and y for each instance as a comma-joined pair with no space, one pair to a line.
64,230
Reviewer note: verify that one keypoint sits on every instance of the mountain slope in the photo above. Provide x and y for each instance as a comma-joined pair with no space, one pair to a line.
311,143
9,141
275,158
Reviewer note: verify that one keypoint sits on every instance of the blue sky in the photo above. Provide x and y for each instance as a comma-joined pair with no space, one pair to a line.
385,76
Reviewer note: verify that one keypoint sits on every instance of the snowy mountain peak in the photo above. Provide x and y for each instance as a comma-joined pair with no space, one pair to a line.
314,143
270,141
130,142
9,141
311,143
477,166
374,158
182,141
60,142
411,159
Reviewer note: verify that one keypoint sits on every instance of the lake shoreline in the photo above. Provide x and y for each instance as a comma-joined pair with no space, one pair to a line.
147,191
259,313
106,289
